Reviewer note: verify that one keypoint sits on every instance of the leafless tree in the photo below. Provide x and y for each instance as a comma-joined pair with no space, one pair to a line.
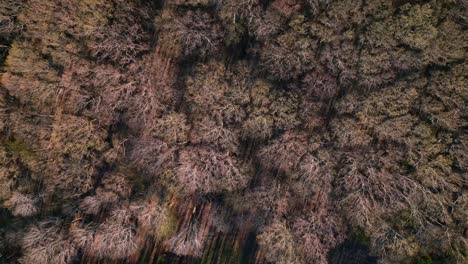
204,170
152,155
124,39
285,153
94,204
320,85
317,234
264,24
120,42
368,191
207,132
189,241
116,237
149,213
152,91
172,128
46,243
277,242
72,146
195,32
287,57
9,10
22,205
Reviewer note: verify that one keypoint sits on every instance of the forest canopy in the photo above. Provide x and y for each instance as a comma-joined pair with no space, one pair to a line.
233,131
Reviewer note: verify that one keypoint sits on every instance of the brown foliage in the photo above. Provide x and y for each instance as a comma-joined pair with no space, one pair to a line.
218,92
172,128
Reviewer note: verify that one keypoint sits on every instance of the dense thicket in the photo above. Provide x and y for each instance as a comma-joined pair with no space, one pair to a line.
330,131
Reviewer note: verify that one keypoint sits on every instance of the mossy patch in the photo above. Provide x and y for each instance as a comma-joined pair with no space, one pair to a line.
168,227
21,149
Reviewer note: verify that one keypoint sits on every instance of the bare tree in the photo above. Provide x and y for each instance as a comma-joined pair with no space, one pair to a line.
152,92
150,213
93,205
46,242
205,170
318,84
189,241
172,128
192,33
73,143
116,237
9,10
285,153
288,57
277,242
22,205
152,155
208,132
368,188
317,234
